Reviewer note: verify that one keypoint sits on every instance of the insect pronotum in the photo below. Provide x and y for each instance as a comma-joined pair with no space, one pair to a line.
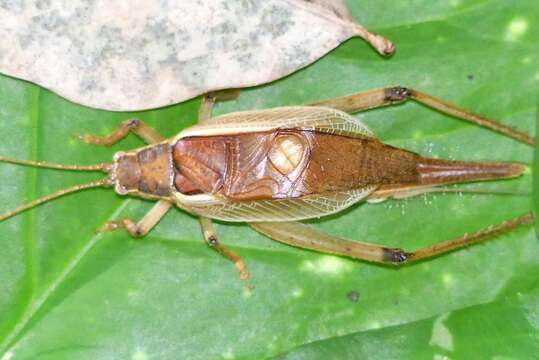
272,168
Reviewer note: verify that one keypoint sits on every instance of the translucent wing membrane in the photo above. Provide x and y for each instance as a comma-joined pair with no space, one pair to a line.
321,119
306,207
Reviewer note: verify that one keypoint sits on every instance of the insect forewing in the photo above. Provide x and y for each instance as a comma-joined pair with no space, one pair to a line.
321,119
306,207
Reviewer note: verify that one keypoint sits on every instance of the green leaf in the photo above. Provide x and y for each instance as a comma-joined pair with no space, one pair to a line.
68,292
536,181
503,328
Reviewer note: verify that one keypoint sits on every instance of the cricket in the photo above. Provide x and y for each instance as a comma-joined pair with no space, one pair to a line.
273,168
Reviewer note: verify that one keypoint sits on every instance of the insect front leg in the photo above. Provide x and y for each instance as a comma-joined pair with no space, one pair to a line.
211,238
137,126
397,94
142,227
304,236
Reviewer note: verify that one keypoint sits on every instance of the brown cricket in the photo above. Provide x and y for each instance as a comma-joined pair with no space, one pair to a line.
274,167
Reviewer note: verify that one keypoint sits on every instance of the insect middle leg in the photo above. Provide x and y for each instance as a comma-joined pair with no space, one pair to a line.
210,99
304,236
211,238
394,95
205,115
137,126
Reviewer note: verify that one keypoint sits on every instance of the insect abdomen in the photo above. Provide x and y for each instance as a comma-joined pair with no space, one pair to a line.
340,163
286,164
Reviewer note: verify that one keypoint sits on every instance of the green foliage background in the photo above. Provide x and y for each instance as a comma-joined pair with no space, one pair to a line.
67,292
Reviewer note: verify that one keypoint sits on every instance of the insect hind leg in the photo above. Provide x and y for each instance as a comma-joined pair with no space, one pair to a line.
469,239
307,237
393,95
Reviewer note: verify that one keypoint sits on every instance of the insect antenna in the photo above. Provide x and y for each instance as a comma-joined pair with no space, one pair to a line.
103,182
104,167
